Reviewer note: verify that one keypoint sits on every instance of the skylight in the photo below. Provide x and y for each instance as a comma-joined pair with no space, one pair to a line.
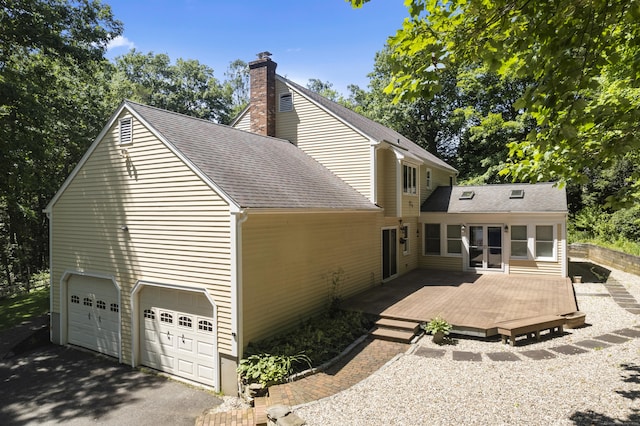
517,193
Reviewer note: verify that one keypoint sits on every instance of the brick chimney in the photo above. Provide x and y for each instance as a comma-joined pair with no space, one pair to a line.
262,85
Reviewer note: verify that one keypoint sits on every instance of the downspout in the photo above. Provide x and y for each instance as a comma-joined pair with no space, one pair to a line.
49,217
238,218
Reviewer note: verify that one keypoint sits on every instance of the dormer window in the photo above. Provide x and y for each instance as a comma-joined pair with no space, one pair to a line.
126,130
286,102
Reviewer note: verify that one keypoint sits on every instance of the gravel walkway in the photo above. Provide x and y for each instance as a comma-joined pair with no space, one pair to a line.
600,386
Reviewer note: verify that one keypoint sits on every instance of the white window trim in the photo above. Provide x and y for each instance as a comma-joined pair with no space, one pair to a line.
429,178
528,241
413,185
532,239
446,240
406,247
424,237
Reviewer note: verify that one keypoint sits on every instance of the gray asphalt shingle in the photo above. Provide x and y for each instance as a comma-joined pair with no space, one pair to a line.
540,197
255,171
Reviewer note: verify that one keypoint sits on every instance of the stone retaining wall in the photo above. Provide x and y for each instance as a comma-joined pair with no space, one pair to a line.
615,259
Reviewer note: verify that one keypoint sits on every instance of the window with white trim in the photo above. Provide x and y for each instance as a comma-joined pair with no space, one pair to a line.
404,239
409,174
286,102
454,240
429,180
519,242
544,242
432,239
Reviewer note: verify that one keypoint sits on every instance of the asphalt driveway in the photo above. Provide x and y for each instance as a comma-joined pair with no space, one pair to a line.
60,385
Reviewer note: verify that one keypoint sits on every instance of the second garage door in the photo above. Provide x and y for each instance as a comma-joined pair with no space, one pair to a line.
177,333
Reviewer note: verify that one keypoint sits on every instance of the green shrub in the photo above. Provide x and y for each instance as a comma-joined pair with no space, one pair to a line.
269,369
626,223
318,340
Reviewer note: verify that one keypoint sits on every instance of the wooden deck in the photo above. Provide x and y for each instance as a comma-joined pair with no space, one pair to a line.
472,303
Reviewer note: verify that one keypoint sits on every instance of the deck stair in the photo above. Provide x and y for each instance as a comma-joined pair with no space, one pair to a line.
395,330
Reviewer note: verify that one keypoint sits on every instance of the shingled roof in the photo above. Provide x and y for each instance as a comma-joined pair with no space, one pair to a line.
535,198
368,127
254,171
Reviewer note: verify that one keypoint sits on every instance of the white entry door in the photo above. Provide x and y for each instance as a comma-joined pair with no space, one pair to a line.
93,314
178,334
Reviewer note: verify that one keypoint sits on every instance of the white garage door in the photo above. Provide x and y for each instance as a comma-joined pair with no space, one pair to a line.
177,334
93,314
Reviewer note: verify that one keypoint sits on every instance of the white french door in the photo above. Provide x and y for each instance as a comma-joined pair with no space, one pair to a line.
485,247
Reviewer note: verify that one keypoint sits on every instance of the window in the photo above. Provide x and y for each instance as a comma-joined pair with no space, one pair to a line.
432,239
126,130
454,239
75,299
409,180
517,193
286,102
184,321
404,238
428,175
467,195
100,304
519,242
166,317
544,241
87,301
115,307
149,314
204,325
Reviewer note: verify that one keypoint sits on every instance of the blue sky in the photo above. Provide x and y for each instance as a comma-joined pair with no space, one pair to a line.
324,39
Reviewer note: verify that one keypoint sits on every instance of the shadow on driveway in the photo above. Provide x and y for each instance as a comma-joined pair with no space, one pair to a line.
56,384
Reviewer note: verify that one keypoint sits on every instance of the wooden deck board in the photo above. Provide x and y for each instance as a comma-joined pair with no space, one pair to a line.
467,301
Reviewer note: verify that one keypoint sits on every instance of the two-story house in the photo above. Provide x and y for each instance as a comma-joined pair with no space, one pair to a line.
176,241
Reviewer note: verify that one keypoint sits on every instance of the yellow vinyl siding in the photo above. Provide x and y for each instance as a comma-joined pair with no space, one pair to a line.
326,139
244,122
387,181
443,263
178,227
439,177
288,261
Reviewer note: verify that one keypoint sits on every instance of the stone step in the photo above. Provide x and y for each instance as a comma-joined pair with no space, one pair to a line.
394,335
398,324
260,411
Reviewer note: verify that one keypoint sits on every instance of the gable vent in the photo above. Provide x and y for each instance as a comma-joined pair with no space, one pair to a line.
467,195
286,102
126,130
517,193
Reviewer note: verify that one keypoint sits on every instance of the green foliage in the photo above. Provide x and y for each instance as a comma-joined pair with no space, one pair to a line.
581,61
320,338
269,369
619,230
52,105
187,87
437,324
18,308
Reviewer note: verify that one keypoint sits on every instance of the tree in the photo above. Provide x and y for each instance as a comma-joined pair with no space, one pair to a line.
51,105
187,87
582,59
237,83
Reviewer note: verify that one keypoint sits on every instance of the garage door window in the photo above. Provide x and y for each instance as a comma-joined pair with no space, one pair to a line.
204,325
75,299
184,322
115,307
87,301
166,317
100,304
149,314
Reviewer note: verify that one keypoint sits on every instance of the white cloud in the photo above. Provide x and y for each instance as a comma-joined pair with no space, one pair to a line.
120,41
